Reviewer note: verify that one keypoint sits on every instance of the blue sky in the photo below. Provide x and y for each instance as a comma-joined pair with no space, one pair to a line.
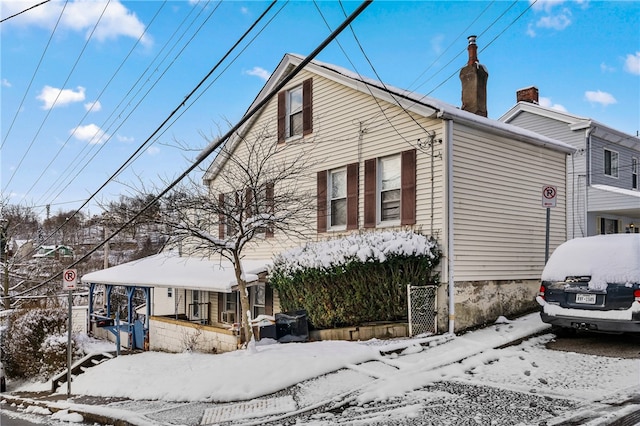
77,102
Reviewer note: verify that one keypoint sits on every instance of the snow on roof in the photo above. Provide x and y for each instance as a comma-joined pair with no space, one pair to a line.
170,270
613,258
447,110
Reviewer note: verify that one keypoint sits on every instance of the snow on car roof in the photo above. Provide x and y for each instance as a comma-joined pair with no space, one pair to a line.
613,258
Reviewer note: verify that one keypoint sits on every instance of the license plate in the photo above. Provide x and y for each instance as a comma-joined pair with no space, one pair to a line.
589,299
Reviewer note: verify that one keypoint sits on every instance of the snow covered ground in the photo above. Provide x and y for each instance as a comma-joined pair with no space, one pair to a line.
446,379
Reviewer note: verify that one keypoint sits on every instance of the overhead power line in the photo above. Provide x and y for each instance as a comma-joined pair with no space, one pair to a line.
26,10
180,106
214,146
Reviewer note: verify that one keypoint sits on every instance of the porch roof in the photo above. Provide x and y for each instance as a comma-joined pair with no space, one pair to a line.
170,270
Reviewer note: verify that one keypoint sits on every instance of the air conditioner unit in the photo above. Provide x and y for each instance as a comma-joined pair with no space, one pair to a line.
229,317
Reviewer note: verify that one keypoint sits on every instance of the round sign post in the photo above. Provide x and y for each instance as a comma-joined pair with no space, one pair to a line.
69,281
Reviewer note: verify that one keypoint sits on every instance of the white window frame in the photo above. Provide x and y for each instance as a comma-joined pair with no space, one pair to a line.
195,302
634,173
258,299
380,191
169,291
290,112
614,163
342,170
230,306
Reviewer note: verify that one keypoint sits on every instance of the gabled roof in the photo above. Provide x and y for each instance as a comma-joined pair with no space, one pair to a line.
170,270
411,101
574,123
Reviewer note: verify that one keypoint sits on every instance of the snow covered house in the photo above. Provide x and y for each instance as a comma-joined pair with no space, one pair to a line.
603,184
386,158
189,302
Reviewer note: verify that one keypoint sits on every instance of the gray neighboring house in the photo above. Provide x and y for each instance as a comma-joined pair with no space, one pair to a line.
603,186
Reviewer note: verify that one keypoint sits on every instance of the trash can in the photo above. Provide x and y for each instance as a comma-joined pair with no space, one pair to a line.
292,327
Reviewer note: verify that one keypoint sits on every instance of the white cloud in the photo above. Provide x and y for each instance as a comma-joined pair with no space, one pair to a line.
557,22
545,5
6,83
93,106
530,31
90,133
52,96
632,63
153,150
606,68
436,43
557,14
600,97
81,15
546,102
244,10
125,139
259,72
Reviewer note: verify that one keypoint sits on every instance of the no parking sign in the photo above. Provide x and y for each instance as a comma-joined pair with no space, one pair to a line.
69,279
549,194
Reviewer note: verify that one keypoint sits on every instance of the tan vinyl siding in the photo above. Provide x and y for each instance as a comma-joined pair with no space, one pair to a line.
499,222
349,127
576,165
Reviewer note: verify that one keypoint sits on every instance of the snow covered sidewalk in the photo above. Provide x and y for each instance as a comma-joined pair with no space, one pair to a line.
212,389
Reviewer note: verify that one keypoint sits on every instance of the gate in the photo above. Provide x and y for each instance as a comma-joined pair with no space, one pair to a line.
423,309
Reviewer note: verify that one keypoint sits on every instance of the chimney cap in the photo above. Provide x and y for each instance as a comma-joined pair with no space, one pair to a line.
472,39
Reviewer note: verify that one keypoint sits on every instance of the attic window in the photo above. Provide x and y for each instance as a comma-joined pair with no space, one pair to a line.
295,111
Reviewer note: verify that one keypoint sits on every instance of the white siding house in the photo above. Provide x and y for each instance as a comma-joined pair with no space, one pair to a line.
603,187
409,161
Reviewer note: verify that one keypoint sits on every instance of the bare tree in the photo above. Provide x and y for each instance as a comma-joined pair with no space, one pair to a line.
255,191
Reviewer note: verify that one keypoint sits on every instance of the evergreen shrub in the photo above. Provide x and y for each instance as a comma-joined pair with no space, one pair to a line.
356,279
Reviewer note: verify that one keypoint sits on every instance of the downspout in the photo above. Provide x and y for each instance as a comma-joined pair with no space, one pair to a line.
448,143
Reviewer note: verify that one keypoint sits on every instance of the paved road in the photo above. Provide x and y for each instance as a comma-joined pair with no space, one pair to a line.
611,345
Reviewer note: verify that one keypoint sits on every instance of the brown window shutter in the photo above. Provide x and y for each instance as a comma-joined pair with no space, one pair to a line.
268,300
408,188
307,106
370,180
269,195
221,217
352,196
248,208
322,201
282,115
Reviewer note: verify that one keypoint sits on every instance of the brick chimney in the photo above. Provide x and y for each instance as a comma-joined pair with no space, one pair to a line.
474,78
528,94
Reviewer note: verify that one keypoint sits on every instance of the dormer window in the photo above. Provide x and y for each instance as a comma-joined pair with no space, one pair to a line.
295,111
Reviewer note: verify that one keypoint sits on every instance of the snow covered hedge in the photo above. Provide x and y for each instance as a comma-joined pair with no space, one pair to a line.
35,344
356,279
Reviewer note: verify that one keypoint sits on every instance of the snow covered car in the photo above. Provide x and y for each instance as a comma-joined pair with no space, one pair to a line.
593,284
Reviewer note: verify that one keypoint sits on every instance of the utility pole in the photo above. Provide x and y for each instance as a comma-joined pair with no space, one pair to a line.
4,258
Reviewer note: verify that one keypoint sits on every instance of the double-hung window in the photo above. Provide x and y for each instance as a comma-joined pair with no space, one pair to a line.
295,108
338,197
389,188
294,112
610,163
634,173
229,306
